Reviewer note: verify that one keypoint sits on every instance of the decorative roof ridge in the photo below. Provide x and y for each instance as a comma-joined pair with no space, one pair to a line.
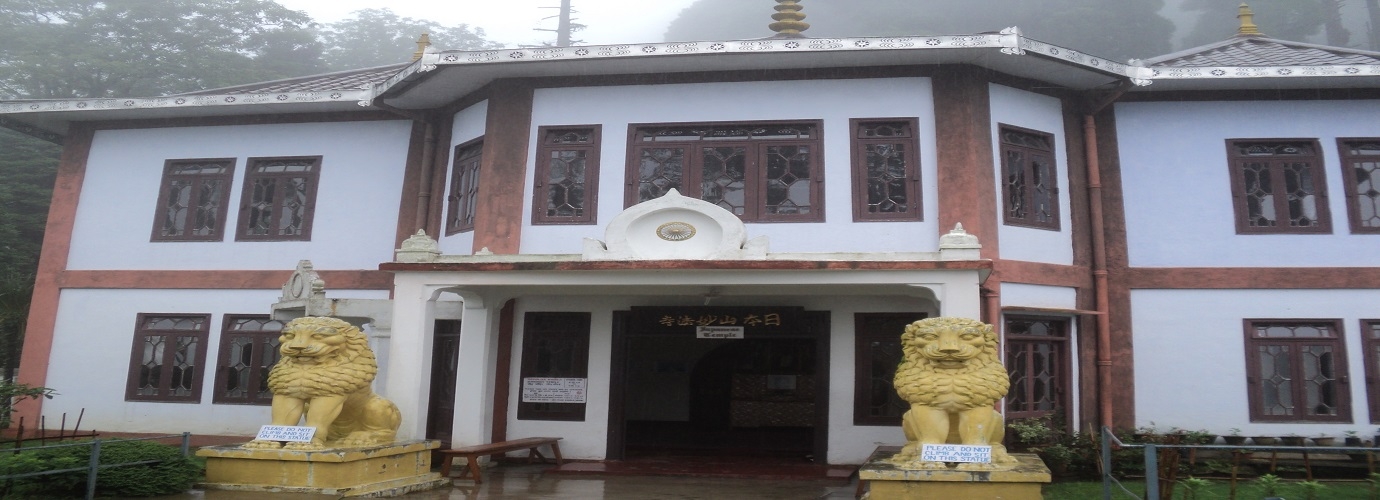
1240,39
252,85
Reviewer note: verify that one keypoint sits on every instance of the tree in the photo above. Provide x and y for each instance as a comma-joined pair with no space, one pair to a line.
123,48
377,37
1079,24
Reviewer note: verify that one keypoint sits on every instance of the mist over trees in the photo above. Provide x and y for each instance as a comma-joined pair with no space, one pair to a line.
376,37
1114,29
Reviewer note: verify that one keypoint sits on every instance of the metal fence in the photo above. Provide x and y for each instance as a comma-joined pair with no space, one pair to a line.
1154,479
94,464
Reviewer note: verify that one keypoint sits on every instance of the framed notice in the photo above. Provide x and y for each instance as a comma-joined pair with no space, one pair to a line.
553,390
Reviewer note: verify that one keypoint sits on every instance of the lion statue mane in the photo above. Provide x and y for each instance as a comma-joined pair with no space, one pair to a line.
951,376
325,374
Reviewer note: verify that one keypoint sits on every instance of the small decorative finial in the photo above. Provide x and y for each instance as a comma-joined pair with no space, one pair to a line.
1247,18
788,18
422,43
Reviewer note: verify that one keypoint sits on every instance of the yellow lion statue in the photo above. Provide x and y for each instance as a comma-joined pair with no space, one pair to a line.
951,376
324,374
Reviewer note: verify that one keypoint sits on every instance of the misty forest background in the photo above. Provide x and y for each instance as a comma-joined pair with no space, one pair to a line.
63,49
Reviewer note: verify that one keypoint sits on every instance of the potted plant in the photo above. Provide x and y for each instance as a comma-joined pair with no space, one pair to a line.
1324,440
1235,437
1293,440
1200,436
1057,457
1265,440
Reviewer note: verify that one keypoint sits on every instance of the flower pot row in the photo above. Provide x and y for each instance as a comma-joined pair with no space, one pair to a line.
1286,440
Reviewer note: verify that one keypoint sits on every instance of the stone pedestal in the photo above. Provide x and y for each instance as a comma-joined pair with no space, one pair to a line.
887,482
374,471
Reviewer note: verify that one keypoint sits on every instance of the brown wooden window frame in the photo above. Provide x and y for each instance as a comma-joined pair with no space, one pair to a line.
1370,346
542,327
165,377
1345,146
1341,387
1011,212
866,340
724,134
463,193
313,178
1241,205
263,344
554,142
1059,340
905,141
194,199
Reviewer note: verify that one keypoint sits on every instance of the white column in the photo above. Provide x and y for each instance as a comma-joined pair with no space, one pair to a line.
961,296
474,374
409,355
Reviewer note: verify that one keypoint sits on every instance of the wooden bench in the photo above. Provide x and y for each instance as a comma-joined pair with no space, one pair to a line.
472,453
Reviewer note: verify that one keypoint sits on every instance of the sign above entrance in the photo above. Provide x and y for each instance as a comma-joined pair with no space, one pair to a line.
718,332
717,322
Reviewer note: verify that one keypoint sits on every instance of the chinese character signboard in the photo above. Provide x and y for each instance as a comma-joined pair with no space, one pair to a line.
717,322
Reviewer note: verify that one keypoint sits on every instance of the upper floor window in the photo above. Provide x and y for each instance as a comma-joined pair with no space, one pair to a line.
762,172
248,350
1030,182
1361,166
192,202
886,169
1296,371
567,176
168,358
464,187
279,199
1277,186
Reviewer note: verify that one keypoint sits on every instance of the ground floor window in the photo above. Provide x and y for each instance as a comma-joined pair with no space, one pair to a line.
555,352
248,350
1295,369
877,347
168,358
1037,357
1370,338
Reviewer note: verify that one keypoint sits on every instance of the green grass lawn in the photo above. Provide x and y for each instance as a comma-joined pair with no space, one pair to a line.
1219,490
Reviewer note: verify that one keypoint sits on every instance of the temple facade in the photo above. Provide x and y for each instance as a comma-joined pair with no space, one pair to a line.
713,246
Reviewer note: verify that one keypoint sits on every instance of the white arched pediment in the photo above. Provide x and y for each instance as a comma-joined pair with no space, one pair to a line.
675,227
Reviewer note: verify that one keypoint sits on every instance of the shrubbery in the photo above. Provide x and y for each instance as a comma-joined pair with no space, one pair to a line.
173,473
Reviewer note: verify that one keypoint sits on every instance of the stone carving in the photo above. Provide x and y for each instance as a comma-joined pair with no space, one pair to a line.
324,375
951,376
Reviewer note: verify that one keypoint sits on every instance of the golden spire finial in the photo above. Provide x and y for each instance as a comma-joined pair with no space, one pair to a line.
423,42
788,19
1247,18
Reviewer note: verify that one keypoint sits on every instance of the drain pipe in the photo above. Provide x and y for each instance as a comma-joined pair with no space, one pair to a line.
1099,248
423,212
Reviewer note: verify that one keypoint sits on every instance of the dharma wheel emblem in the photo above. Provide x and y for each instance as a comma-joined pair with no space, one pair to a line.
675,231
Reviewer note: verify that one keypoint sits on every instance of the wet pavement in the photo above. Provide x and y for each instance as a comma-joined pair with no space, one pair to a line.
521,481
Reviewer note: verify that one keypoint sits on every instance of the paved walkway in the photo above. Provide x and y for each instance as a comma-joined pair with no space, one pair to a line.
510,481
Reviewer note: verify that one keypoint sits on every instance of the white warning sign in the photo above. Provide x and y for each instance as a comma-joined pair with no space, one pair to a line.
553,390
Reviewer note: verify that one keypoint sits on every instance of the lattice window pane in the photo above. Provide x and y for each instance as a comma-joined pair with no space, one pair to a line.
788,179
883,401
208,210
1302,195
1016,184
725,178
151,365
1320,380
886,177
1276,380
1367,190
261,206
566,181
179,197
1042,194
659,171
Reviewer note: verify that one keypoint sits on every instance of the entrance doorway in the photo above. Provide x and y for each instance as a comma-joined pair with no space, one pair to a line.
679,392
445,355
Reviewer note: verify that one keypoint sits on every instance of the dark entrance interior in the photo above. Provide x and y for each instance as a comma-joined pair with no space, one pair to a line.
445,353
763,395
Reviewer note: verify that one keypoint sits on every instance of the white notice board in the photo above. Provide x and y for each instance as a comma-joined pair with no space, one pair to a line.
553,390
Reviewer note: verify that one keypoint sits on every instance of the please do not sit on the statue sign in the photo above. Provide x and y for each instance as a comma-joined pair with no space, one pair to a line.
290,433
956,453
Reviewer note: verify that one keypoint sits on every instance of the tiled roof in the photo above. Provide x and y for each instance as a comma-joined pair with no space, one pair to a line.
343,80
1263,51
